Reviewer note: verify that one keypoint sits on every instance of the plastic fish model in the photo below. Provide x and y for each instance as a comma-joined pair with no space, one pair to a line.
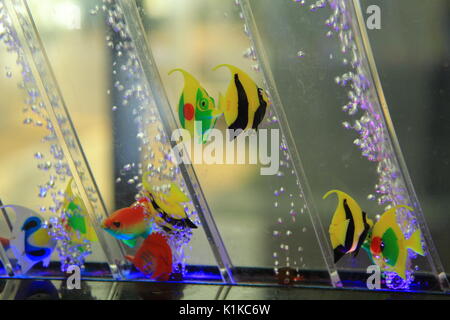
166,209
195,105
154,257
30,241
244,104
388,246
77,221
128,224
349,226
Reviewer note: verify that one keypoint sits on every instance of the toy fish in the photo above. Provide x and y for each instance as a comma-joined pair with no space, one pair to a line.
128,224
30,241
154,257
349,226
195,105
77,221
166,209
388,246
244,104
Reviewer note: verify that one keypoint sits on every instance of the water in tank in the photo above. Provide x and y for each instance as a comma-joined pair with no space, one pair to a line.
240,142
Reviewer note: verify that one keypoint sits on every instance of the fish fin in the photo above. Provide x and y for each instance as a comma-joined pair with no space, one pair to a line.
400,271
415,242
176,194
147,233
330,192
338,254
25,264
46,261
166,229
131,242
129,258
261,111
362,238
338,233
190,224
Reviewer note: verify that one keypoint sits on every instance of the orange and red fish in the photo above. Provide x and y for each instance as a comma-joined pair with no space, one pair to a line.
154,257
128,224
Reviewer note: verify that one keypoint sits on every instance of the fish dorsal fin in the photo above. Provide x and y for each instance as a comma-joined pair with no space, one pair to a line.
157,239
191,84
340,213
389,217
244,77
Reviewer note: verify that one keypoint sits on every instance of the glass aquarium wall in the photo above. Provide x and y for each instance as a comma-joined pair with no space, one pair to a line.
244,141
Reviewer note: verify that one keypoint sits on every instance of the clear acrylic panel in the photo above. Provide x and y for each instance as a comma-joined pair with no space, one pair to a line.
131,73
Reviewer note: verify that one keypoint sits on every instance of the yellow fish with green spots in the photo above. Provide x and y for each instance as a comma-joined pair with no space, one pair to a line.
77,221
244,104
388,246
196,109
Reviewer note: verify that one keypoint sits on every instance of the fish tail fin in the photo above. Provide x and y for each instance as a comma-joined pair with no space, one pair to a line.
330,192
415,242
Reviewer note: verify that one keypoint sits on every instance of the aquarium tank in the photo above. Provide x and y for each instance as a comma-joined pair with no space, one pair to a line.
240,142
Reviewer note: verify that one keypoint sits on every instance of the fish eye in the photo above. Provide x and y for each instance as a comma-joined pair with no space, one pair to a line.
203,104
116,224
30,224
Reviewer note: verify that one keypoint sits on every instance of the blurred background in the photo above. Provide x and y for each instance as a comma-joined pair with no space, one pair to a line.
411,51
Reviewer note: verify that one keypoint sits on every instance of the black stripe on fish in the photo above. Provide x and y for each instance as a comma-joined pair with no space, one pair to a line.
339,252
363,235
177,223
261,111
242,116
350,228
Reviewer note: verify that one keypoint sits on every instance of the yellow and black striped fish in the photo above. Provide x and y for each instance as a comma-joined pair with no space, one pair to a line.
244,104
349,226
